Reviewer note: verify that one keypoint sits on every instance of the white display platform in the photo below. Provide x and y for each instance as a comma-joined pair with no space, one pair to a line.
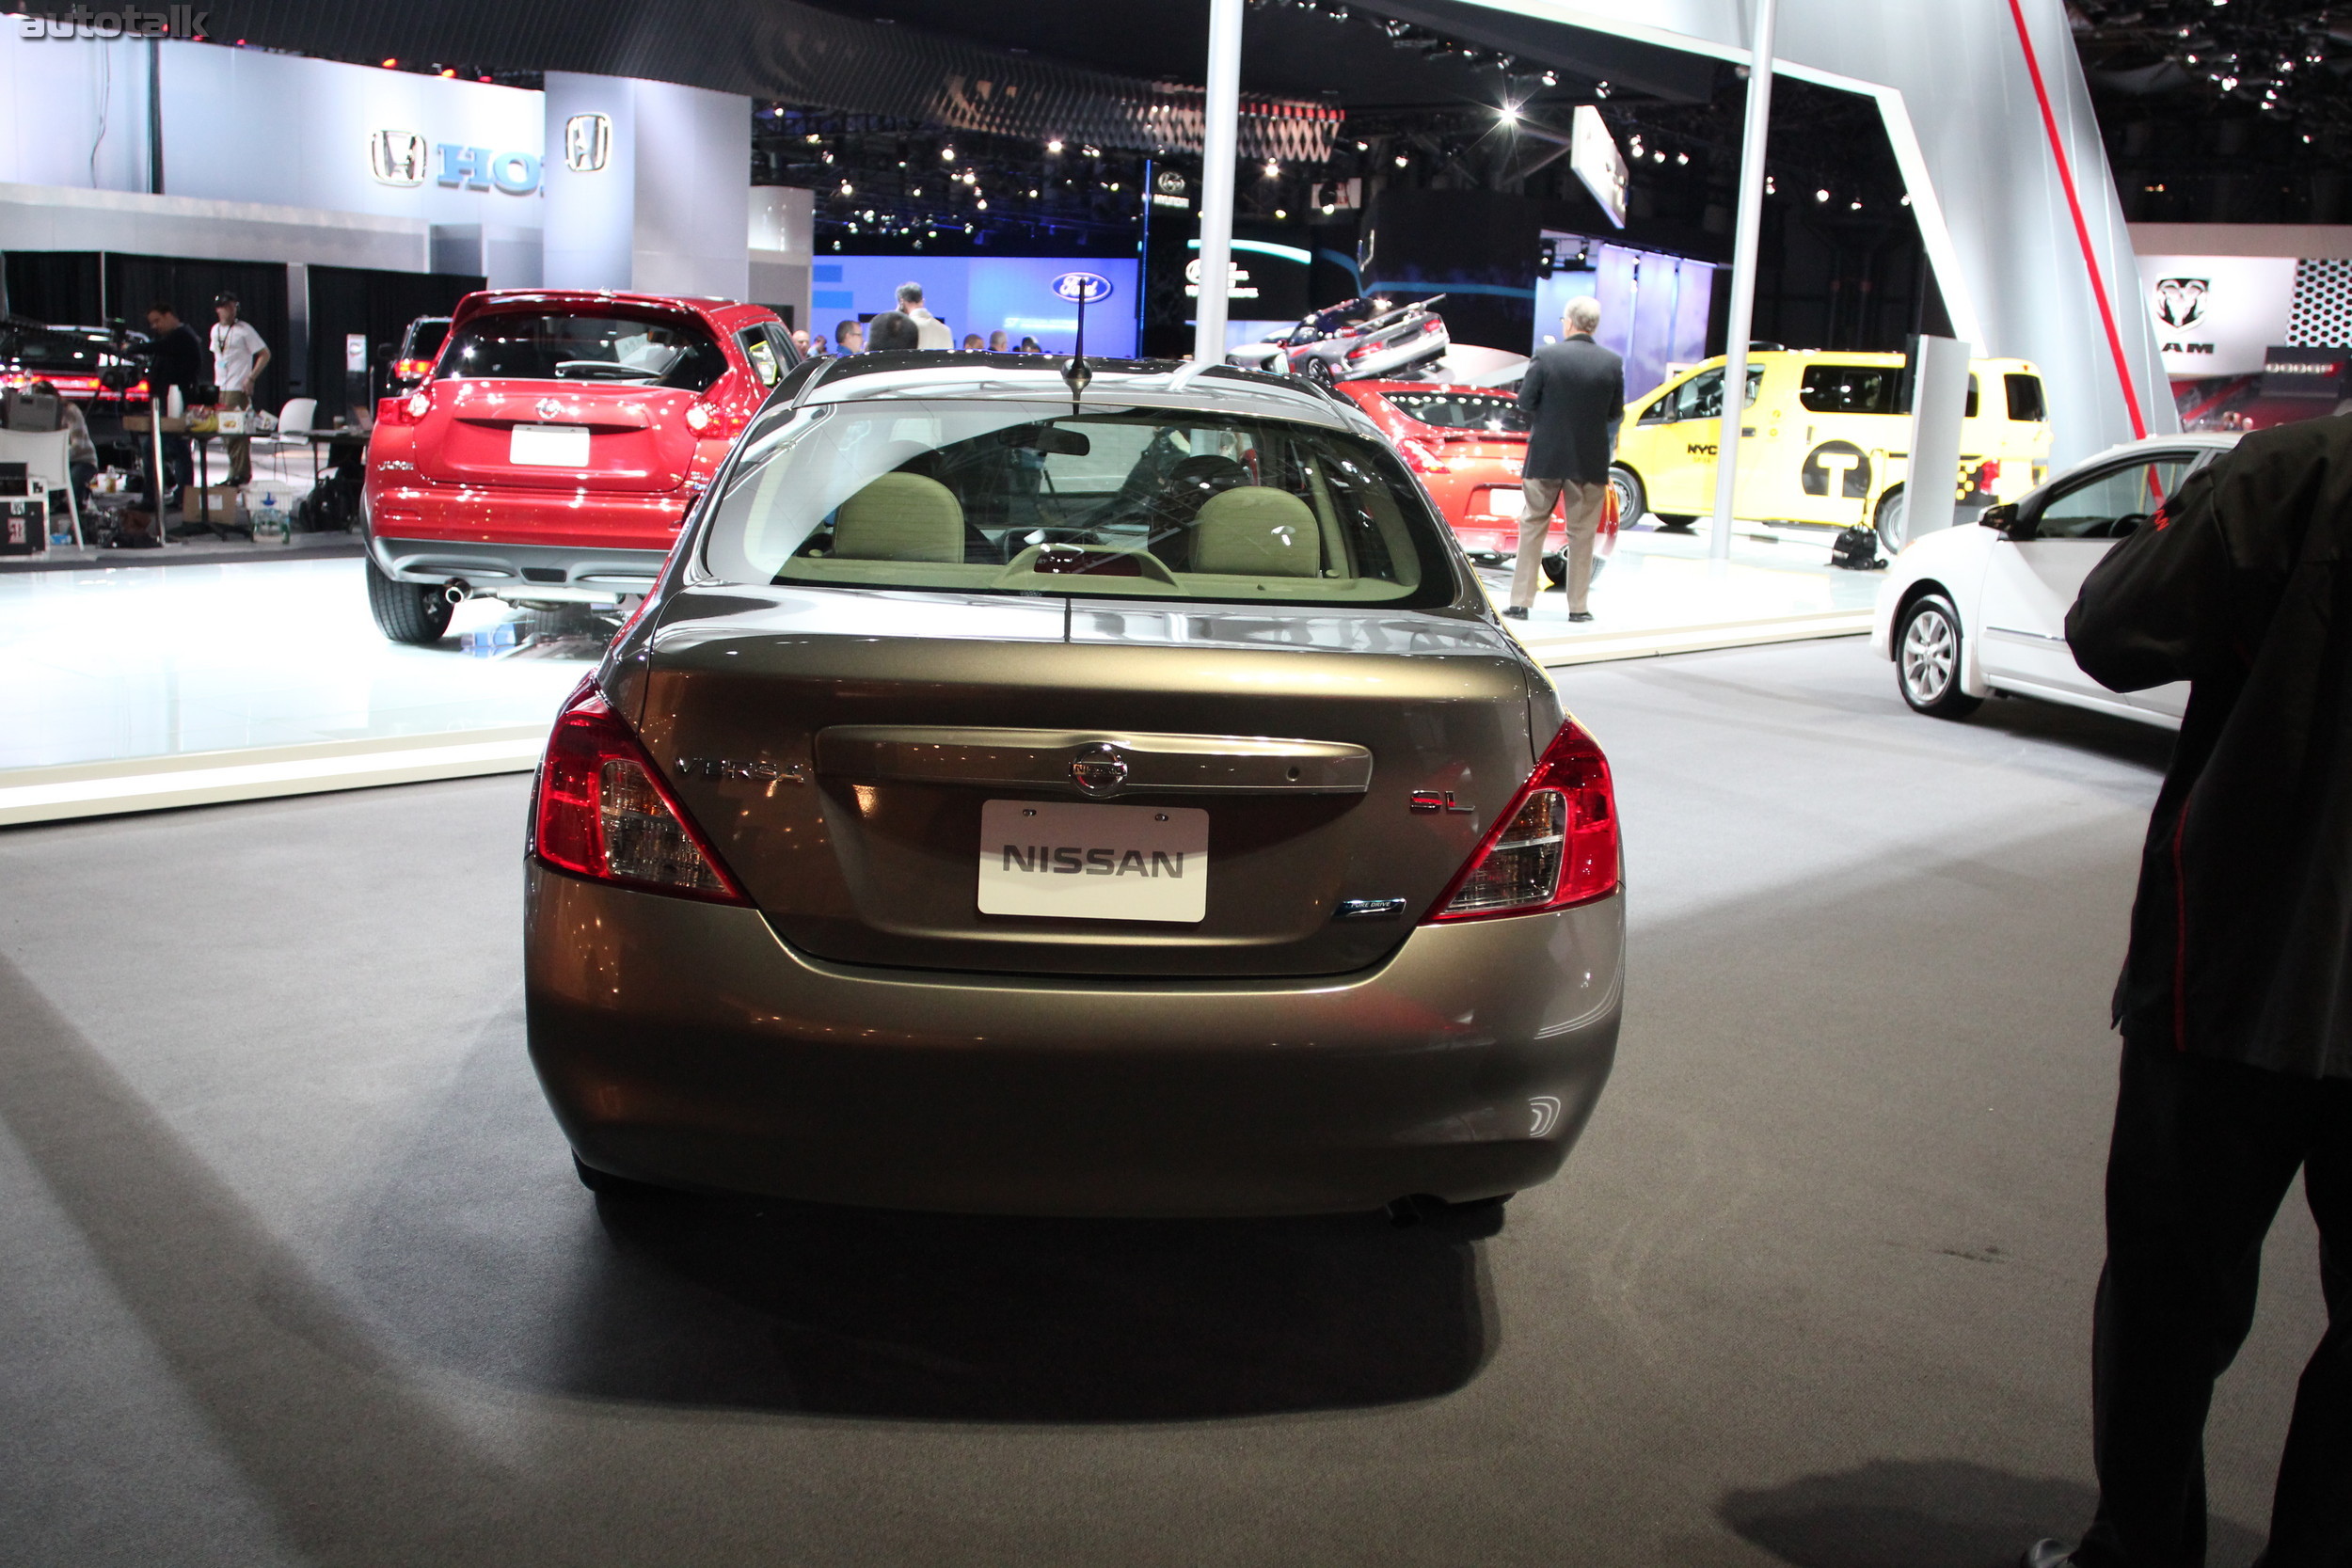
125,688
132,688
1660,593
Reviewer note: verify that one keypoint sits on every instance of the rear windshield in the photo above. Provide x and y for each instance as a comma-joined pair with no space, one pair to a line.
1852,389
1005,498
530,347
1485,411
424,339
55,351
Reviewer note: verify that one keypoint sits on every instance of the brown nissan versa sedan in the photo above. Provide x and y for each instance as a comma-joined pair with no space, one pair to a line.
1116,801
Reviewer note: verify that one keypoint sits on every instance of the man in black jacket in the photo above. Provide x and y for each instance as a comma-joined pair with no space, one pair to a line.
178,362
1573,394
2235,1001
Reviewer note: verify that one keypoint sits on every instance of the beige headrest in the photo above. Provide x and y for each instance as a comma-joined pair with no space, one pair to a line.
1256,533
900,517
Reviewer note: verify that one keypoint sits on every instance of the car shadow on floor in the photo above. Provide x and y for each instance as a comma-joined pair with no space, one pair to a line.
1931,1513
2104,735
858,1312
483,1257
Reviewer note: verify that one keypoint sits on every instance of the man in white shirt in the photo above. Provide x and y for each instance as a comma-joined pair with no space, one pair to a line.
929,328
238,357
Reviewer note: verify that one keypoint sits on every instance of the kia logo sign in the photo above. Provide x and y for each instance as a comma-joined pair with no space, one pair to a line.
587,143
1082,288
397,157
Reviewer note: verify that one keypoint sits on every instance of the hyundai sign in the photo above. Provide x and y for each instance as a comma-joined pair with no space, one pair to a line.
1089,288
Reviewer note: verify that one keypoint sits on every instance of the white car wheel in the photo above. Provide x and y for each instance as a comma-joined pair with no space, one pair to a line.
1893,522
1927,660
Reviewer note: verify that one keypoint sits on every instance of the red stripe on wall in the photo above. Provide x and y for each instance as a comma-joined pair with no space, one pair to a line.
2082,229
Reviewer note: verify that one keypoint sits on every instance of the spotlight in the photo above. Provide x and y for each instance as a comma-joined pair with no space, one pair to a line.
1682,157
1054,145
1551,78
1820,195
847,189
946,154
1400,160
1508,114
392,65
1272,168
1279,215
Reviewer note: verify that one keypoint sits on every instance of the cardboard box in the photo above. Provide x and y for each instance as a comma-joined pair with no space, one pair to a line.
215,503
23,527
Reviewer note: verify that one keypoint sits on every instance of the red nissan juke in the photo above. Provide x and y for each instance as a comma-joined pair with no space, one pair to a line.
551,454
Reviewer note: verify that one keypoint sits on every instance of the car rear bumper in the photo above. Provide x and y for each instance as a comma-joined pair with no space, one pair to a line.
516,571
684,1043
571,520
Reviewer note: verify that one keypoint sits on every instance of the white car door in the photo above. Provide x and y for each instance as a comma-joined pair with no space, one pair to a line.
2031,582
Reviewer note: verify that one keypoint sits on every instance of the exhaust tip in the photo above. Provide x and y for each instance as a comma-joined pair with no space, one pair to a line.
456,590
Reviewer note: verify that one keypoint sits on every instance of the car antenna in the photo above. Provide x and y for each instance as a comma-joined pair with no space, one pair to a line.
1075,372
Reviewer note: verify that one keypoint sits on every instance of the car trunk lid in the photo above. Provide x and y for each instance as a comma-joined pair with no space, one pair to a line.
891,775
545,433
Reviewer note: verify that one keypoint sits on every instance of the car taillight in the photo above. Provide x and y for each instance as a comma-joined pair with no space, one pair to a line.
1556,846
1987,474
419,404
1421,457
602,812
1432,324
1360,350
712,423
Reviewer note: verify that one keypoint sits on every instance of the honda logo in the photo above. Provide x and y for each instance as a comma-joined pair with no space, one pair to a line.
397,157
587,143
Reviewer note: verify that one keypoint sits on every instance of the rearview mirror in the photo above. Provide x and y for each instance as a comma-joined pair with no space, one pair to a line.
1051,440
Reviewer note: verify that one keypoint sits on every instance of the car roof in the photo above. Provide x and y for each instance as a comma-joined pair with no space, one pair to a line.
2194,440
1029,377
701,304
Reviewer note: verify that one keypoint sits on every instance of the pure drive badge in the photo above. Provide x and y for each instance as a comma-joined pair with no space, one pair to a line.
1069,861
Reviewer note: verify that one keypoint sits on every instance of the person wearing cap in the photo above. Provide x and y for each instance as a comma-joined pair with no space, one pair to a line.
238,357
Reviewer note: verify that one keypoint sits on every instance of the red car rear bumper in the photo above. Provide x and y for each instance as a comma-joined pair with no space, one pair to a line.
504,539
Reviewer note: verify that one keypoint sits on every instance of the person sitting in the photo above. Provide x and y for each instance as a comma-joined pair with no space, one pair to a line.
972,343
81,452
1030,345
892,331
998,342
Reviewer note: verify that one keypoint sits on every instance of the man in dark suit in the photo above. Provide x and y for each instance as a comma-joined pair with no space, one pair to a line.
1573,395
2235,1001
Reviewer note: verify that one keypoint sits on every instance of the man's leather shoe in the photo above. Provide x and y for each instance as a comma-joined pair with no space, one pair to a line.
2047,1554
1580,614
1514,612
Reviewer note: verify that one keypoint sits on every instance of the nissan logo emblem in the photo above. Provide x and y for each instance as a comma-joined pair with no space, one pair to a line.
1097,770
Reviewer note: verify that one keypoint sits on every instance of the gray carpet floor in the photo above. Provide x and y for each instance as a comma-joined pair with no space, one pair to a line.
296,1271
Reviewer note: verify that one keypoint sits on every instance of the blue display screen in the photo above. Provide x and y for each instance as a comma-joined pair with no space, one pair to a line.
1012,294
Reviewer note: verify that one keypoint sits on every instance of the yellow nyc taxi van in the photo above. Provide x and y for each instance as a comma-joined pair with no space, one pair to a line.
1826,440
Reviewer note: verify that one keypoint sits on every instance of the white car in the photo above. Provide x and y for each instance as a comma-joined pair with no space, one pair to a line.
1980,606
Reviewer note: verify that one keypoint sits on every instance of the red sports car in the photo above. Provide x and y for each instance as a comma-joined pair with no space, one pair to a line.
551,454
1468,444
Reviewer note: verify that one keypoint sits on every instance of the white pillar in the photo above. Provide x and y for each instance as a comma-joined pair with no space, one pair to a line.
1743,277
1221,148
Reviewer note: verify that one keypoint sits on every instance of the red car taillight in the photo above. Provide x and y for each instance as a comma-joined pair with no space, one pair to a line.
1556,845
602,810
1421,457
712,423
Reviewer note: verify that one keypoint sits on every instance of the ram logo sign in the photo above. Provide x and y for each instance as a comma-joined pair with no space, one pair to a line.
397,157
587,143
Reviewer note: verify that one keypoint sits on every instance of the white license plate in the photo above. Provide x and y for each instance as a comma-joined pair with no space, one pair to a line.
1075,861
1505,503
549,446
